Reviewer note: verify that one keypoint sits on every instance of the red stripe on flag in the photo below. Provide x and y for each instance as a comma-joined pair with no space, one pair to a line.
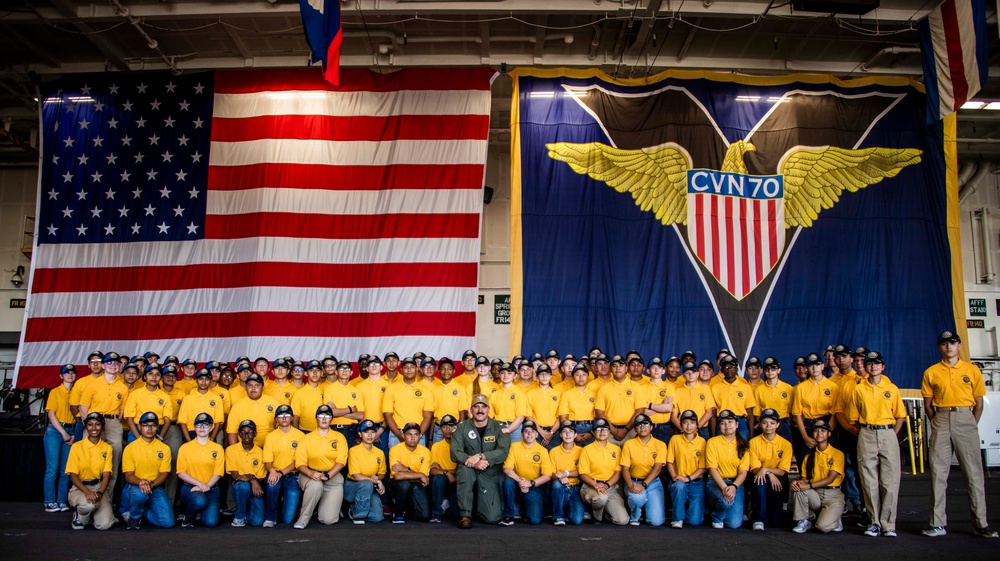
253,324
772,237
745,207
354,79
713,230
345,178
332,71
699,205
730,250
341,227
953,46
298,275
353,128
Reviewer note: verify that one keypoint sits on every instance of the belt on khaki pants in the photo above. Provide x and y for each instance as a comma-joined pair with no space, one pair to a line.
951,409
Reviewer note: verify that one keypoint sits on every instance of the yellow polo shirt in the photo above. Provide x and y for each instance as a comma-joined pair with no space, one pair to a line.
687,456
640,459
201,461
441,455
88,460
361,461
141,400
146,459
563,460
529,462
185,385
487,388
58,402
305,402
721,454
407,402
372,394
106,398
260,411
321,452
223,393
196,403
953,386
76,393
245,462
577,404
506,404
176,396
737,397
878,404
237,392
825,462
698,399
281,392
343,396
777,397
600,462
279,447
543,406
619,400
656,393
419,459
813,399
775,453
450,399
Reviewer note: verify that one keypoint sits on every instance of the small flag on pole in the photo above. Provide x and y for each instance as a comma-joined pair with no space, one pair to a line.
953,46
321,20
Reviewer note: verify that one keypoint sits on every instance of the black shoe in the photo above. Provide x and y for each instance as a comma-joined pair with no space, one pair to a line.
229,512
132,524
506,521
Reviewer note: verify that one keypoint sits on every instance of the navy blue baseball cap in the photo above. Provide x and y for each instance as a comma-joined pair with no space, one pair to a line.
283,410
469,353
324,410
67,369
247,423
203,419
448,420
410,426
189,362
111,357
149,417
367,425
482,360
689,415
203,373
771,362
874,357
255,377
770,414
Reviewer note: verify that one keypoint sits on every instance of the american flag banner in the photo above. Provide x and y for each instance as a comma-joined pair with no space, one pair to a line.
954,50
257,213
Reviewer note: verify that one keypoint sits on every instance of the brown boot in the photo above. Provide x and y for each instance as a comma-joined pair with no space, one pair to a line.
465,523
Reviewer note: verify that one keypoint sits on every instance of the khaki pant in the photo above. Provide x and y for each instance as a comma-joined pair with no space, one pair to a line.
173,439
329,495
612,503
113,436
620,443
878,465
827,504
956,431
101,513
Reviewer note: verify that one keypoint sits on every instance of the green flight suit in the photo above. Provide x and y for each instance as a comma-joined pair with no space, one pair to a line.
474,485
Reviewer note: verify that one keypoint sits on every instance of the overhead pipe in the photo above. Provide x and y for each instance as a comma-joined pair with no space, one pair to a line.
867,64
123,12
972,185
595,42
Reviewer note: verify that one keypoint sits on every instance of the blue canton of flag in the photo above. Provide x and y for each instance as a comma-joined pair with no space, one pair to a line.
127,160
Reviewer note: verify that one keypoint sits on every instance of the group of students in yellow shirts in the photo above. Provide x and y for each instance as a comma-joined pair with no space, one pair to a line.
602,436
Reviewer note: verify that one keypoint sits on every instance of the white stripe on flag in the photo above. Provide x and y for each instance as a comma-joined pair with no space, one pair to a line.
352,104
251,299
351,203
739,212
290,250
967,35
341,153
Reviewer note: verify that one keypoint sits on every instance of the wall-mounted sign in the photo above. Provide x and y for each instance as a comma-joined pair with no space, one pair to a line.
501,309
975,324
977,307
17,302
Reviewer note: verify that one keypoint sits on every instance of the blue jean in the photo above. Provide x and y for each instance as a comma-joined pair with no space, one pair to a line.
206,504
583,427
767,503
411,493
287,488
56,480
515,435
532,501
349,432
729,514
155,506
566,503
688,498
248,507
442,489
652,499
366,503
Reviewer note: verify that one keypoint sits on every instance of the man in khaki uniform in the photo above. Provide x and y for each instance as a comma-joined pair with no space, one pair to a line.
953,393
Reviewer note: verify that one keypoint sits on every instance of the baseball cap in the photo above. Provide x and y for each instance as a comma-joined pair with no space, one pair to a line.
203,419
729,360
445,360
634,359
94,417
580,367
151,367
203,373
529,425
506,366
553,354
111,357
770,414
67,369
479,399
283,410
949,336
814,358
130,366
324,410
537,356
279,363
689,366
601,424
641,419
821,424
707,363
771,362
314,364
567,425
543,369
367,425
374,359
243,367
245,423
427,360
189,362
149,355
447,420
255,377
98,355
298,365
860,352
149,417
657,361
390,354
800,361
469,353
727,415
482,360
172,359
842,350
570,356
874,357
344,364
170,369
689,415
410,426
753,361
616,359
601,357
408,360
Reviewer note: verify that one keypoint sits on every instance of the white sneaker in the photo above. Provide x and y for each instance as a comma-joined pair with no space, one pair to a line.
299,526
558,522
677,524
718,525
633,522
269,523
840,526
239,523
802,527
758,526
359,522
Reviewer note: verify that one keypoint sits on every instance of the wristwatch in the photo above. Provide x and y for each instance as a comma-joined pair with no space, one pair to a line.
532,483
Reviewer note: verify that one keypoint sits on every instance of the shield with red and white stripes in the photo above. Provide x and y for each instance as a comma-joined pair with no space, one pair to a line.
736,226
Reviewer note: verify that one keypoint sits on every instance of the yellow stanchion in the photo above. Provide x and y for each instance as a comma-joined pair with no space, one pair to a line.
909,440
920,439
